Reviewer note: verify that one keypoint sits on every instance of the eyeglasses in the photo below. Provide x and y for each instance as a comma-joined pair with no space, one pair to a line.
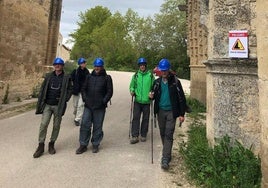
55,84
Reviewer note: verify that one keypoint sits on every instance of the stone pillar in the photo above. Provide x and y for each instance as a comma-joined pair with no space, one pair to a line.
232,84
262,28
53,30
197,12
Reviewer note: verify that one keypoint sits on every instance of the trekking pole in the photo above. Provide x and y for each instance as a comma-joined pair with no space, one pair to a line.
131,113
152,132
155,122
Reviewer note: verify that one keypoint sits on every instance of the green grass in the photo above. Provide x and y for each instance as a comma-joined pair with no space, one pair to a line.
227,165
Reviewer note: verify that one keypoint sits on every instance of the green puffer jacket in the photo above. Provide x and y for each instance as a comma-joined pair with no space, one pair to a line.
141,84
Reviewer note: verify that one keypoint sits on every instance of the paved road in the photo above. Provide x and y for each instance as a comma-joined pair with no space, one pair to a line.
117,165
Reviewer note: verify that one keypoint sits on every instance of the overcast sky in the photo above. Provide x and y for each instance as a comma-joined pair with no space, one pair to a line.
71,9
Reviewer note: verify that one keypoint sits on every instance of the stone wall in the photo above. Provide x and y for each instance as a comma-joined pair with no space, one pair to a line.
53,30
232,84
62,50
233,107
262,36
23,39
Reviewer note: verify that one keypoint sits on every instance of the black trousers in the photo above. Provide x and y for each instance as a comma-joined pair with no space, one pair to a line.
140,127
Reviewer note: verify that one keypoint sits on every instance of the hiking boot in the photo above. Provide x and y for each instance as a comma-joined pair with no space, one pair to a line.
51,149
81,149
164,164
39,151
95,149
134,140
143,139
77,123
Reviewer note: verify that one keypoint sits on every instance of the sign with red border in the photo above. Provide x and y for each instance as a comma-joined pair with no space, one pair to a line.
238,44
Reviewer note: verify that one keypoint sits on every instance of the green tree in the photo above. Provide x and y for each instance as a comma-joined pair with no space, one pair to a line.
89,21
170,25
111,42
121,40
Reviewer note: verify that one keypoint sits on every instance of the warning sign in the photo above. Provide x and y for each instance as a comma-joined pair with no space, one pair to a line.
238,44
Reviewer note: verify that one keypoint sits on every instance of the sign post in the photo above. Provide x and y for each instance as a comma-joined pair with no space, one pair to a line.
238,44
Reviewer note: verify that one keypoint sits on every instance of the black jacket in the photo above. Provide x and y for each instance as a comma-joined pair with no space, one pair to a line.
176,93
78,77
65,95
97,90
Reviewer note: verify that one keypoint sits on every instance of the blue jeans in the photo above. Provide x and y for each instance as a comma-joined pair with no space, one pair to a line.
91,117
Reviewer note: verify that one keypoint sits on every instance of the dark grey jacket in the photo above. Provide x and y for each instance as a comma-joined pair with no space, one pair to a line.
97,90
78,77
66,93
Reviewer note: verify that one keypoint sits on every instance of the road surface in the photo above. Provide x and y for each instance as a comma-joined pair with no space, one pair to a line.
118,163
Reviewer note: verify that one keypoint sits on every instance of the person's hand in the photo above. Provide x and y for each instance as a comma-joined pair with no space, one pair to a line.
151,95
181,119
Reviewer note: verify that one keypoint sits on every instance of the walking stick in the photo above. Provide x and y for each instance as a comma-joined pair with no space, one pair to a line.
152,132
131,113
155,122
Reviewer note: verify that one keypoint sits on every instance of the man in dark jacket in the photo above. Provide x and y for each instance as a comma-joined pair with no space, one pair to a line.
96,93
55,92
78,78
169,105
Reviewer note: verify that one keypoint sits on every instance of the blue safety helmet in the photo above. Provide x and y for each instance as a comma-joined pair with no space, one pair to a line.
98,62
164,65
81,60
142,61
58,61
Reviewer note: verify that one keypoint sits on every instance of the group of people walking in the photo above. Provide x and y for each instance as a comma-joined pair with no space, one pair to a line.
92,91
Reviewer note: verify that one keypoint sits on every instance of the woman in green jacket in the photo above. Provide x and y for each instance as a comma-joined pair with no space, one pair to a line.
140,87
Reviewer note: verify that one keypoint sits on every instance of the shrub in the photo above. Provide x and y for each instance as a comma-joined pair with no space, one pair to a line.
226,165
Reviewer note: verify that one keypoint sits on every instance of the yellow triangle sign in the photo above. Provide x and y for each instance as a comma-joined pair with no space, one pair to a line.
238,45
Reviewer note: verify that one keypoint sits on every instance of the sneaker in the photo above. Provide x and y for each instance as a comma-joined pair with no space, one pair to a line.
134,140
143,139
77,123
81,149
95,149
164,164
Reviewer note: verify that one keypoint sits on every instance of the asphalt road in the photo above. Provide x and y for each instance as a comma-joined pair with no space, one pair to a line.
118,163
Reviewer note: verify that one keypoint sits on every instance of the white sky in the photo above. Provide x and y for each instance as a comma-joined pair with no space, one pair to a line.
71,9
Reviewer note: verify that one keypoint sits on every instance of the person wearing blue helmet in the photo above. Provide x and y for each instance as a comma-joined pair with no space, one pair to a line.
55,92
169,104
96,93
78,77
140,87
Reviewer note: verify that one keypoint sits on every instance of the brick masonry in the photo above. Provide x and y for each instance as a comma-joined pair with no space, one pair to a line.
28,44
